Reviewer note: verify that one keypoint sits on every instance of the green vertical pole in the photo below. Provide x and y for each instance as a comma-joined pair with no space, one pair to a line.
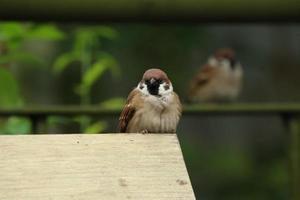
38,124
294,131
34,124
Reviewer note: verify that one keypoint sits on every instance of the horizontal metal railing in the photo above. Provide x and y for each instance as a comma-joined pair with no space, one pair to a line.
283,108
37,114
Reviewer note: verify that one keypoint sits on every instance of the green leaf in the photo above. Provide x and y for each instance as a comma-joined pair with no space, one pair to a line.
96,127
11,30
107,32
112,63
83,39
106,62
12,34
21,57
17,125
113,103
46,32
9,90
54,120
94,73
91,76
64,60
81,119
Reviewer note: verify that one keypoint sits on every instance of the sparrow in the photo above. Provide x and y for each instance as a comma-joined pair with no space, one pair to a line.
151,107
219,80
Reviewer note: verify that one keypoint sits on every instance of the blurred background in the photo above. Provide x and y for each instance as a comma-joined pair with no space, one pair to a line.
228,157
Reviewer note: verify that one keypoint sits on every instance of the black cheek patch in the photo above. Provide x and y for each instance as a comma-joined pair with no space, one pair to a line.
141,87
166,87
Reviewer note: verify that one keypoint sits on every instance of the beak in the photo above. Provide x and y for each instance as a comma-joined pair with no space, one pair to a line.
232,62
153,86
152,80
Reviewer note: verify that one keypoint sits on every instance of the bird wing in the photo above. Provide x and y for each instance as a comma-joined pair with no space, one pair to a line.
204,75
127,112
178,103
202,78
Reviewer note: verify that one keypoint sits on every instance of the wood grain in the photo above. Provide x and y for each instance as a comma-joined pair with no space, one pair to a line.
84,167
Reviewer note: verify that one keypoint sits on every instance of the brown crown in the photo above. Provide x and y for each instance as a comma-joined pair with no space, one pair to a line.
156,74
225,53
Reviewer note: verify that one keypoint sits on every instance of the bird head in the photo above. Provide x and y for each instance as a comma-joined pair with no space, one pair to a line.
155,82
224,58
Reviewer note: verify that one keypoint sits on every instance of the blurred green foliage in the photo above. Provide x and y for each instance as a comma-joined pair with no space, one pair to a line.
9,90
232,172
114,103
9,98
12,37
85,50
16,125
94,62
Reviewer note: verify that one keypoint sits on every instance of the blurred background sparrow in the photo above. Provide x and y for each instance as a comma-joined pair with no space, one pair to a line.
219,80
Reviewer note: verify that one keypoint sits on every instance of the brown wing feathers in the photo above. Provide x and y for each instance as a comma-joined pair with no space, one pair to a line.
127,113
202,78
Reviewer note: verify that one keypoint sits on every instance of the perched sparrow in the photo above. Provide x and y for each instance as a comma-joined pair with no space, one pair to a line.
151,107
219,80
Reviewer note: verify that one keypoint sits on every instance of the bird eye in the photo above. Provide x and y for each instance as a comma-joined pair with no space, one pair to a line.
166,87
141,86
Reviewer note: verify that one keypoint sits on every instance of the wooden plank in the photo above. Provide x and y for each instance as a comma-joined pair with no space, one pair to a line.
241,108
90,167
151,10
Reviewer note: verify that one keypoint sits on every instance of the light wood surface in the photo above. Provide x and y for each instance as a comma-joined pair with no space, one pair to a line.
85,167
